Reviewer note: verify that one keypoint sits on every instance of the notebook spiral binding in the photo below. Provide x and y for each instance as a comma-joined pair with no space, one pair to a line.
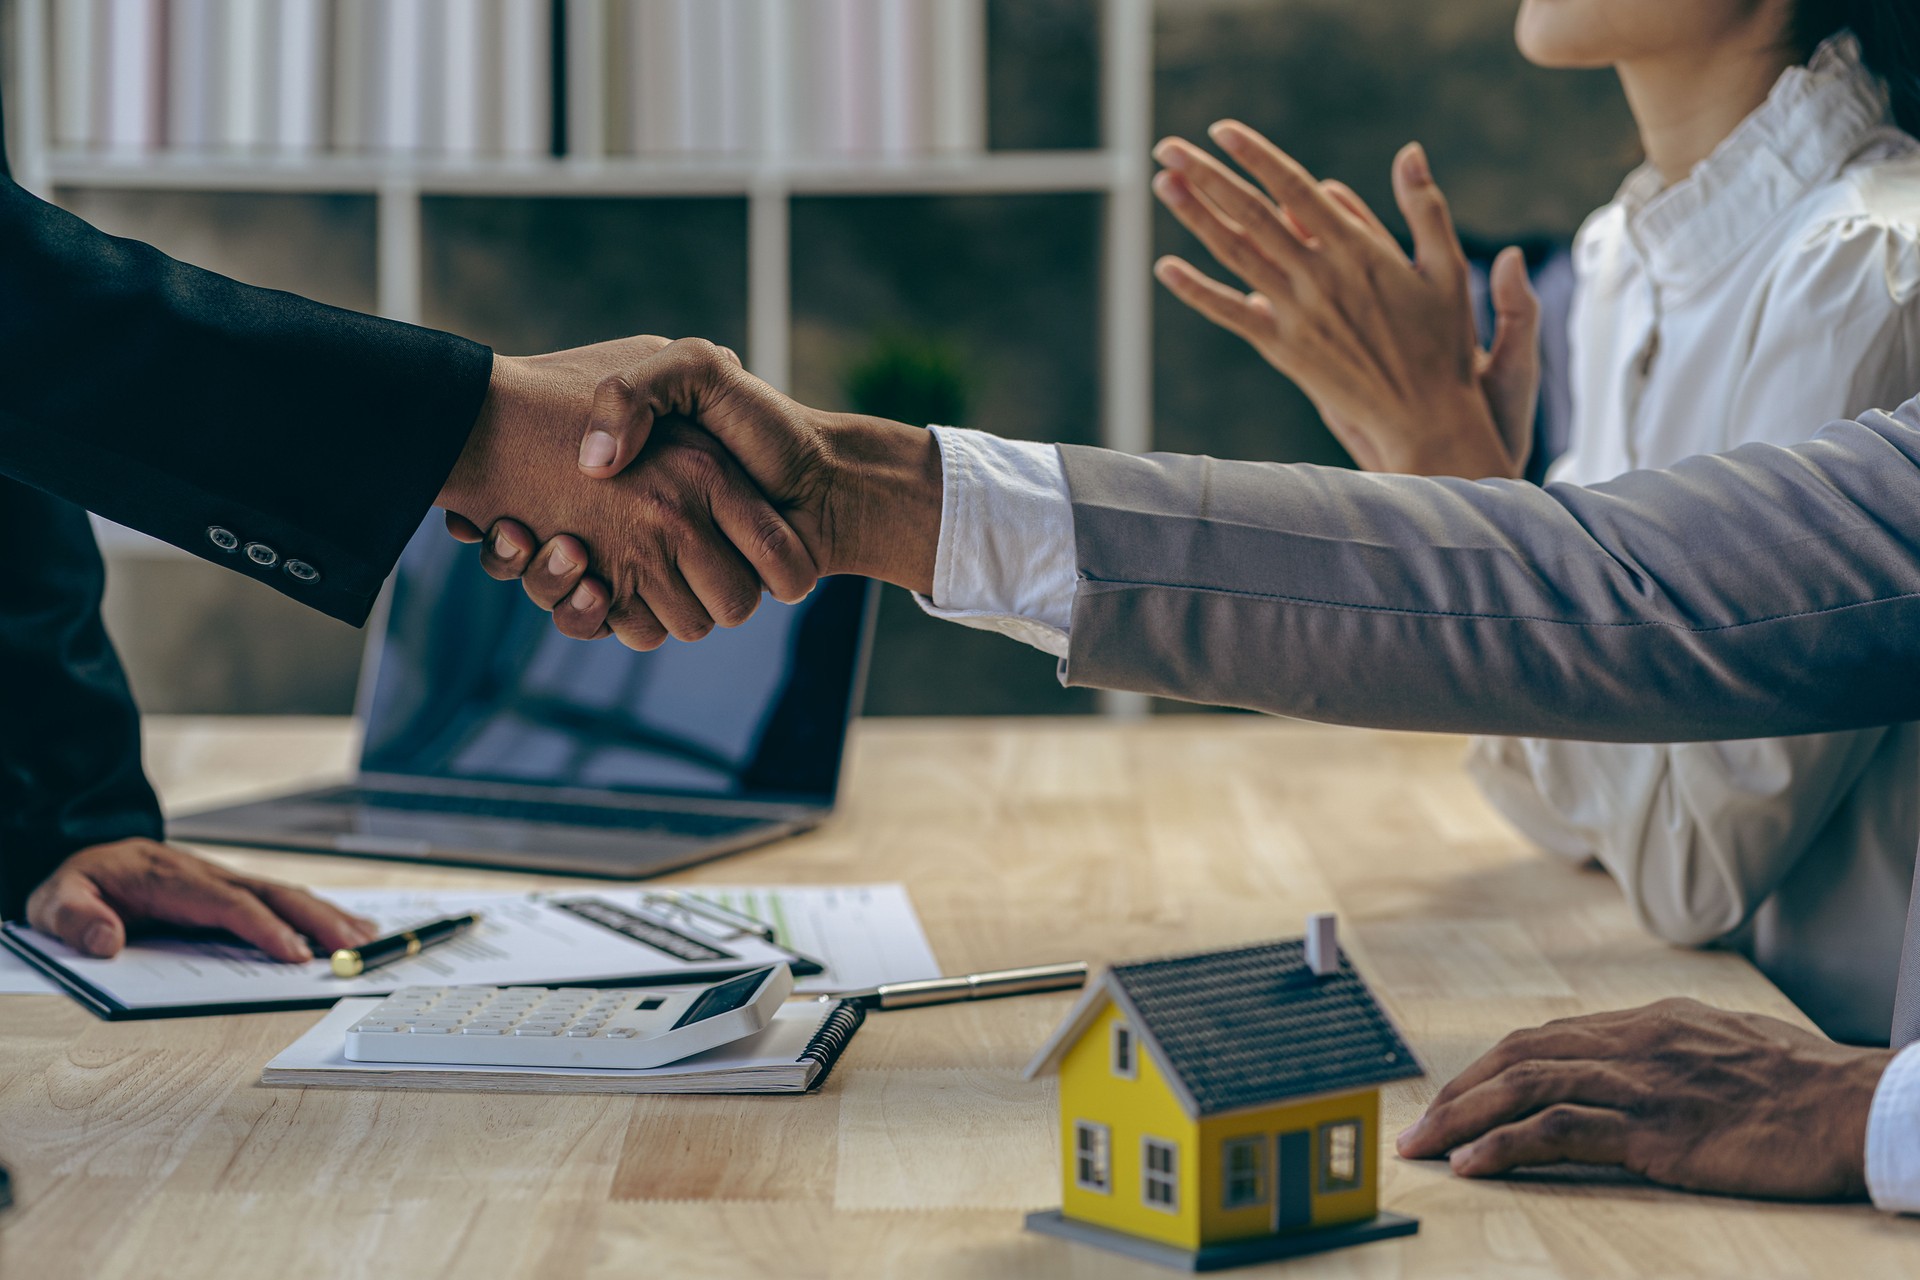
828,1042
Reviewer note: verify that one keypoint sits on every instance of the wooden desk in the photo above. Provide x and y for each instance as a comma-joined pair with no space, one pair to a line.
147,1149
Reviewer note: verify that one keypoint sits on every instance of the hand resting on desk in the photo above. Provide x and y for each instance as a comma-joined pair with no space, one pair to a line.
90,900
1678,1092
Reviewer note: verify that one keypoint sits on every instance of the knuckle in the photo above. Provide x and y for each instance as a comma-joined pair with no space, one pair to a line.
619,388
690,632
735,605
1525,1076
1560,1122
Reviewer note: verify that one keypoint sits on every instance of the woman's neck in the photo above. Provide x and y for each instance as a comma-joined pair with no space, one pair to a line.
1685,105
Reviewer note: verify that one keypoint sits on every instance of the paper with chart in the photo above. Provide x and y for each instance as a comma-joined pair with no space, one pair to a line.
863,933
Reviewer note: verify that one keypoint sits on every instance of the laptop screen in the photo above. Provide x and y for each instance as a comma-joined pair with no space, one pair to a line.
474,684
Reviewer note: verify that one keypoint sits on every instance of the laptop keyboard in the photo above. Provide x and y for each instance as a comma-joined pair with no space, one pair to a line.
657,821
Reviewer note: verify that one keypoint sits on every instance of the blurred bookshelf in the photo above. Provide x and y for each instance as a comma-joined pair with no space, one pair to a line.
582,98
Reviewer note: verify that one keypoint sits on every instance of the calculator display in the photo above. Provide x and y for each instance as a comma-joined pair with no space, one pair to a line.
733,994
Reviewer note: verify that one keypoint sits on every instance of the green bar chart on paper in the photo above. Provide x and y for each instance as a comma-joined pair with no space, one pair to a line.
865,934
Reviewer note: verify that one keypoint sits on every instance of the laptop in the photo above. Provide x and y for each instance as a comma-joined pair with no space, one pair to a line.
492,740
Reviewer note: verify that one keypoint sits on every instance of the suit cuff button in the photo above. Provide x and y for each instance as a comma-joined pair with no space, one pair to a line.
225,539
303,571
262,554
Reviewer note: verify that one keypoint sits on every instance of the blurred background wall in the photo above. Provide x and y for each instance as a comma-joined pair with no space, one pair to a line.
1000,290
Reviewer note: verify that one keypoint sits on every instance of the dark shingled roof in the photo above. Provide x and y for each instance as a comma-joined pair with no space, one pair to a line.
1255,1025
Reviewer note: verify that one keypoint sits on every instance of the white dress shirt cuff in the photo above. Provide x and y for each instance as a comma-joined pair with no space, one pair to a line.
1893,1136
1005,560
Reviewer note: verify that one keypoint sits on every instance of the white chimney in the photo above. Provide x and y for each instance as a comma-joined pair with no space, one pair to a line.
1323,943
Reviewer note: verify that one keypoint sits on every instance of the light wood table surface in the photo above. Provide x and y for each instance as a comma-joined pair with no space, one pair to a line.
149,1149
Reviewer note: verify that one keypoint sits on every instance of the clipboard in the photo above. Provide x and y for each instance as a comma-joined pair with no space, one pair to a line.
603,938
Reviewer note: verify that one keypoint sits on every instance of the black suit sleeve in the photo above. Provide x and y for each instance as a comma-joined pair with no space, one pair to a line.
178,402
70,771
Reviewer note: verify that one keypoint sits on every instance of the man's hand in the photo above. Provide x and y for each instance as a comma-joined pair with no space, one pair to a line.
863,494
92,898
1383,345
680,544
1678,1092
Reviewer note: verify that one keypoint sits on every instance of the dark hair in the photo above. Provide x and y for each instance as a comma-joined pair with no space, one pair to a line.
1889,35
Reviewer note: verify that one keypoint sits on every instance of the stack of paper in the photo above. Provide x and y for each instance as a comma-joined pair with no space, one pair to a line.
792,1055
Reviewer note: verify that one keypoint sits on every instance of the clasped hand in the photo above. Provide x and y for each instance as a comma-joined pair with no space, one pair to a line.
646,489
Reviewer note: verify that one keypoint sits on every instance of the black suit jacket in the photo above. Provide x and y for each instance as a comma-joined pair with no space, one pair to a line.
293,442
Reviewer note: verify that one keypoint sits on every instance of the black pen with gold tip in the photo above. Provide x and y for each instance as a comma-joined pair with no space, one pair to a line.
351,962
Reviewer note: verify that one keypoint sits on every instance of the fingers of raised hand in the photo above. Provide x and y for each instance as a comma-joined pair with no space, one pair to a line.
1349,199
1258,254
1510,373
1436,246
1249,315
1286,180
1232,195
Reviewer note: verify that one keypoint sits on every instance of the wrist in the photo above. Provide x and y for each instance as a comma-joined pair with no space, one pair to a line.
883,503
1882,1138
468,489
1458,437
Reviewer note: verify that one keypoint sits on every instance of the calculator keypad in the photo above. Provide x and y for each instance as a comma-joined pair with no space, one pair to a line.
536,1012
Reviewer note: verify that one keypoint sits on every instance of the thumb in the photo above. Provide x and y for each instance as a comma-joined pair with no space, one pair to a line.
672,379
1512,376
1436,247
69,907
617,426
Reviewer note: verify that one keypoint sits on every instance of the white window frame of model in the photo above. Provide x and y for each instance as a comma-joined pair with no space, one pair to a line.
1093,1153
1123,1050
1252,1179
1165,1179
1333,1137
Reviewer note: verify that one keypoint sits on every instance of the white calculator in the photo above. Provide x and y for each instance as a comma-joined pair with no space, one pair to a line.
566,1026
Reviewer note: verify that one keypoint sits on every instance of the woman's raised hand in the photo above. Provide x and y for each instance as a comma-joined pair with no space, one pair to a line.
1382,344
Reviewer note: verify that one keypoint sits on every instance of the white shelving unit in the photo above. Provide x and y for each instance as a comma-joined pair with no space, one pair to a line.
1118,169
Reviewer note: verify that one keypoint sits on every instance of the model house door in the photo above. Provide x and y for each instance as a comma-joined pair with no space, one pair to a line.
1293,1190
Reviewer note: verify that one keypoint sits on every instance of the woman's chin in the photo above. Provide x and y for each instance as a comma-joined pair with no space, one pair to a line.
1558,35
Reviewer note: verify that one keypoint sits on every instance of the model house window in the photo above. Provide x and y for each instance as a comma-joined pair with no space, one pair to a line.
1340,1156
1091,1162
1240,1161
1125,1062
1160,1174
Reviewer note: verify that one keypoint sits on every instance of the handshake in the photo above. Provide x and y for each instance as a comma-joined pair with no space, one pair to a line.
644,488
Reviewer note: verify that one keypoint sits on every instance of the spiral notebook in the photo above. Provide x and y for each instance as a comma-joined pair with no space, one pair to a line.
793,1055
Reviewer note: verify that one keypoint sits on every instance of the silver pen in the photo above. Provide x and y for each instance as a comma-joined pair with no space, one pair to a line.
970,986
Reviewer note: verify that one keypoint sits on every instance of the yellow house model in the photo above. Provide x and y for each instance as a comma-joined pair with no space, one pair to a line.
1224,1108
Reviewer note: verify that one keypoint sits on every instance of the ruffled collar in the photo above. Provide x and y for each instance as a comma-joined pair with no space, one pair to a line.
1816,118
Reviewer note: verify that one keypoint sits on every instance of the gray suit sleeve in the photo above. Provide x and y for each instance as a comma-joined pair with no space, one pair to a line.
1762,592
